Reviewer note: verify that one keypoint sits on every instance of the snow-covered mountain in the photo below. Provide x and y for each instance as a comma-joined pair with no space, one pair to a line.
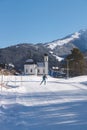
61,42
56,50
62,47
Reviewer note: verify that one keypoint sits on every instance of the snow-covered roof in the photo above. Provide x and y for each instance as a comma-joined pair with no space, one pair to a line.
29,61
40,64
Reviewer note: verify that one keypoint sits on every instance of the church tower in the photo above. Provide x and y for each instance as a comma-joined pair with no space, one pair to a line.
46,63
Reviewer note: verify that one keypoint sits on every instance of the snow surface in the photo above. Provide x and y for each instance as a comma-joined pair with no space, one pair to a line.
57,57
61,42
61,104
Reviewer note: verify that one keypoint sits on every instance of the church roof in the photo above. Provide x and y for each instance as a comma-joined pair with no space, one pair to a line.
40,64
29,61
45,54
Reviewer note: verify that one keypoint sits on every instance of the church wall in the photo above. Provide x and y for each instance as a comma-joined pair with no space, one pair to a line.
29,69
40,70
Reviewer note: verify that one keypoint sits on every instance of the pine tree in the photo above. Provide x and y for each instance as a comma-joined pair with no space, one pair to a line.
76,63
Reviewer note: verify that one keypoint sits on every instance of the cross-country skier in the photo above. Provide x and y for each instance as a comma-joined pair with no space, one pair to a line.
43,79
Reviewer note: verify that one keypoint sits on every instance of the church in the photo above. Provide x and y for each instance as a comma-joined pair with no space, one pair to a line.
39,68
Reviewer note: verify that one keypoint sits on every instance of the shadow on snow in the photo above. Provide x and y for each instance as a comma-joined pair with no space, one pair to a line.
67,115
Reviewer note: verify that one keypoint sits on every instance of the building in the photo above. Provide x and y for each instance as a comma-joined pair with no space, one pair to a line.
57,72
39,68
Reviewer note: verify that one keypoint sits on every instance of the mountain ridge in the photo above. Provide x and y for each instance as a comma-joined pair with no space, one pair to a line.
17,54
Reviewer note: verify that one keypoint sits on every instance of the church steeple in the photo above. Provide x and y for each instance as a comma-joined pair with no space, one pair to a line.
46,63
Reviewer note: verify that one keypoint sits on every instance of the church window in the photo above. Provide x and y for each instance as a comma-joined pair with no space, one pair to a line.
31,70
38,71
26,70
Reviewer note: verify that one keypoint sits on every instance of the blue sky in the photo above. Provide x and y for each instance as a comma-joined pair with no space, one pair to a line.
40,21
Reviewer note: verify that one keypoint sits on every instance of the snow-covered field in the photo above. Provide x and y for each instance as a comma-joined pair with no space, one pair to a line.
61,104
